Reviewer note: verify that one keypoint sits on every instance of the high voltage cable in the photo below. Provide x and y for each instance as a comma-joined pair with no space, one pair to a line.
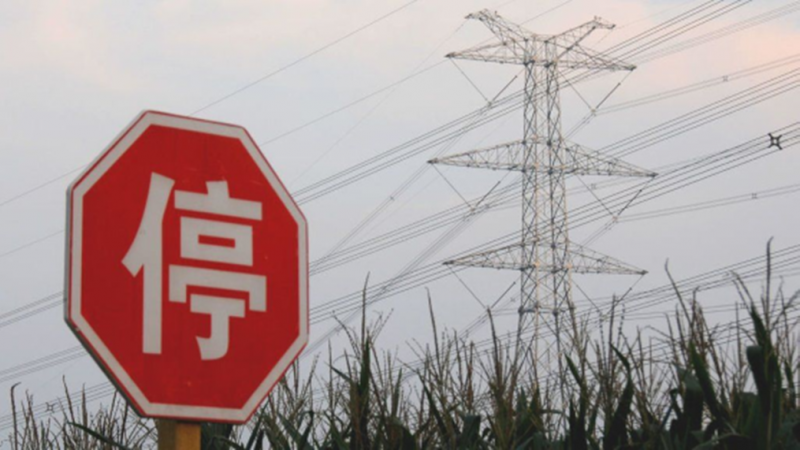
677,130
777,265
639,148
270,140
393,88
695,283
729,30
444,239
307,56
700,85
429,272
665,184
733,103
350,104
403,187
508,103
661,26
750,145
713,111
679,184
760,19
62,176
715,203
331,181
415,176
685,28
745,268
630,190
99,391
410,231
41,305
510,201
259,80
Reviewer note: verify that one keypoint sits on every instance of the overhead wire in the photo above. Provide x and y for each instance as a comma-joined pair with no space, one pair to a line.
721,162
745,24
375,93
700,85
676,180
258,81
699,281
306,56
430,271
334,182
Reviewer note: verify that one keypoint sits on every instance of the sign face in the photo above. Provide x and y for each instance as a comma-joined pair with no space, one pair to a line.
187,269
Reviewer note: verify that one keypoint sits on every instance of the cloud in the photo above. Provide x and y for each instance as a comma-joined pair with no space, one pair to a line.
70,38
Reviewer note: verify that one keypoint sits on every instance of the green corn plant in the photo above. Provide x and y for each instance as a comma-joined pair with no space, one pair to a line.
99,437
685,430
358,407
581,423
392,432
214,435
615,434
456,430
530,429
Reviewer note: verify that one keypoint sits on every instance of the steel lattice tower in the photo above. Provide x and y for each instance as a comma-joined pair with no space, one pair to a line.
545,256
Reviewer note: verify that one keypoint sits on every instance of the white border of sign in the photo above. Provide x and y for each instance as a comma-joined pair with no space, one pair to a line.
74,233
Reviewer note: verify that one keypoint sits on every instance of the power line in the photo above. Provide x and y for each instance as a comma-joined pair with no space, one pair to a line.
306,56
374,164
671,21
782,259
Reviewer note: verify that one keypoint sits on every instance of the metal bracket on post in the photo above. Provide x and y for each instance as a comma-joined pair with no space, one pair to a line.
175,435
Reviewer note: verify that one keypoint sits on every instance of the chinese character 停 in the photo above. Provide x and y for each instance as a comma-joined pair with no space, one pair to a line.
146,253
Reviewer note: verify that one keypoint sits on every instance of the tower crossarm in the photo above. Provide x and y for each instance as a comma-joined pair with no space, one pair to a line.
508,257
503,29
511,156
509,52
580,57
585,260
516,45
512,44
582,261
573,55
584,161
507,156
575,35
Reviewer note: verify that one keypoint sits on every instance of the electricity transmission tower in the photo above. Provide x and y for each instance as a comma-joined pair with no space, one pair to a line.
545,256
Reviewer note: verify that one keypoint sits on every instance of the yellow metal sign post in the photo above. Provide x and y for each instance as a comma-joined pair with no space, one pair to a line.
175,435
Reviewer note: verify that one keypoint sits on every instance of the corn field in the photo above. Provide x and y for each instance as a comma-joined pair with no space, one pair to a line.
612,392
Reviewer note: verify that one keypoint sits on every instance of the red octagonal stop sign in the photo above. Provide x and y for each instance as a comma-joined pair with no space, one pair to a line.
187,269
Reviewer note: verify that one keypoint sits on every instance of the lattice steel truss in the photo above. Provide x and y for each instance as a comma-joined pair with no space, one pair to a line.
545,256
